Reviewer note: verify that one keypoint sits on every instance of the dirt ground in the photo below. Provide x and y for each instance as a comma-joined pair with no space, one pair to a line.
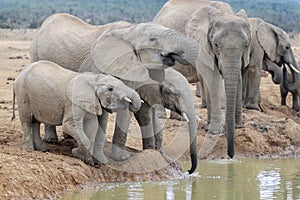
38,175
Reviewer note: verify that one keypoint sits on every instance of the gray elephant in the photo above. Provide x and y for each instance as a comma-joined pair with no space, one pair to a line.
224,46
136,54
173,93
48,93
270,49
289,82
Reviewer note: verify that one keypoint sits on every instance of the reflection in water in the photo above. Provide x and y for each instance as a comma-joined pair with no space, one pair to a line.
224,179
269,183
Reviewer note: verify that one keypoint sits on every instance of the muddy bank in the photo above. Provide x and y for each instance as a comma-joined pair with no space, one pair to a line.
38,175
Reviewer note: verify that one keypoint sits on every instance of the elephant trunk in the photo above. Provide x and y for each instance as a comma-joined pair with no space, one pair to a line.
136,101
231,74
193,141
289,59
186,48
286,84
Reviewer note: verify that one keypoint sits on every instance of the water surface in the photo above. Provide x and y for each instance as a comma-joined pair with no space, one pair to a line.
222,179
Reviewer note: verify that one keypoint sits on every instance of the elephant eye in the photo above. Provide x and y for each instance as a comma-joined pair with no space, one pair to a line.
152,39
110,88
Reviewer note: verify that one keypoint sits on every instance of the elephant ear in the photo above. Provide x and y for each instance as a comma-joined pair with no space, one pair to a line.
113,55
197,28
246,56
266,37
81,93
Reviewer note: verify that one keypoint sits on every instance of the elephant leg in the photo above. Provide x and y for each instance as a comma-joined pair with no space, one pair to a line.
50,134
26,122
198,89
38,143
283,94
161,111
296,101
144,118
245,77
98,154
27,138
239,106
253,93
214,115
75,128
158,131
120,135
203,93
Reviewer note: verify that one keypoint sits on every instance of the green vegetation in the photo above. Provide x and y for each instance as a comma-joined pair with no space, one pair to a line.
31,13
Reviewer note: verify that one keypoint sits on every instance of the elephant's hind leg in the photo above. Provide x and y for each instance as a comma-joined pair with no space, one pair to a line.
50,134
38,143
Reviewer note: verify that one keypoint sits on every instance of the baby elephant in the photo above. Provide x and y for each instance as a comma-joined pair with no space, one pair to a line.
48,93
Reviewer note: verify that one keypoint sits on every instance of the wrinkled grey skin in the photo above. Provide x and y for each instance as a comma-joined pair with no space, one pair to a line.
224,40
175,15
175,94
134,54
270,50
289,82
48,93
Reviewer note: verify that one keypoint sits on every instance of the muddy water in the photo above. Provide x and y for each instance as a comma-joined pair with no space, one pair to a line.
223,179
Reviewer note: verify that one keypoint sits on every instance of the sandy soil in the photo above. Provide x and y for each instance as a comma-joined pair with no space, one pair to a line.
38,175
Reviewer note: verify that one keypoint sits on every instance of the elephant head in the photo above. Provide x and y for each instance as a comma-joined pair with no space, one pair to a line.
139,52
224,40
277,50
92,92
177,96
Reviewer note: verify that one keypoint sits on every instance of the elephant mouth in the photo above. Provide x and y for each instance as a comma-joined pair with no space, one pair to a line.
167,60
170,59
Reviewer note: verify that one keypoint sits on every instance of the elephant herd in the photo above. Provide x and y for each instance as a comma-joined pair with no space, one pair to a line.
80,73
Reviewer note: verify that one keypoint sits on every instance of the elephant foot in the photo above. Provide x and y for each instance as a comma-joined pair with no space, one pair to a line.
50,135
197,93
252,106
42,146
176,116
84,155
214,129
28,146
99,158
119,154
240,125
203,105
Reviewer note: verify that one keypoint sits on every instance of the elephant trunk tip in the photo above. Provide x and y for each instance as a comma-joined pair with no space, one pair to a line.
230,152
194,164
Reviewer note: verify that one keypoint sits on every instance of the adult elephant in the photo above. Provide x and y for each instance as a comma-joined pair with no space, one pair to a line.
270,50
224,45
135,54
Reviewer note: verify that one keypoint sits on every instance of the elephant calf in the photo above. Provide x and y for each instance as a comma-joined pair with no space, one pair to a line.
50,94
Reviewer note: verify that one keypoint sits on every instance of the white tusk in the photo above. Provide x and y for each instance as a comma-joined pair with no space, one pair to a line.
127,99
142,101
294,68
198,118
287,69
185,117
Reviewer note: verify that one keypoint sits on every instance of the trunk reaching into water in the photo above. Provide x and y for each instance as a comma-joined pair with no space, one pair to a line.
231,76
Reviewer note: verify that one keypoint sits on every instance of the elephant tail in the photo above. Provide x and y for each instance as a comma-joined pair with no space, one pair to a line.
13,106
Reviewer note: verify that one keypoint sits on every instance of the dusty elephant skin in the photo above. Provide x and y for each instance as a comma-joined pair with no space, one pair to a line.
133,53
224,45
39,175
48,93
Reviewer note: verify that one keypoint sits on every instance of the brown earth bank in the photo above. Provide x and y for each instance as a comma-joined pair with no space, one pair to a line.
45,175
